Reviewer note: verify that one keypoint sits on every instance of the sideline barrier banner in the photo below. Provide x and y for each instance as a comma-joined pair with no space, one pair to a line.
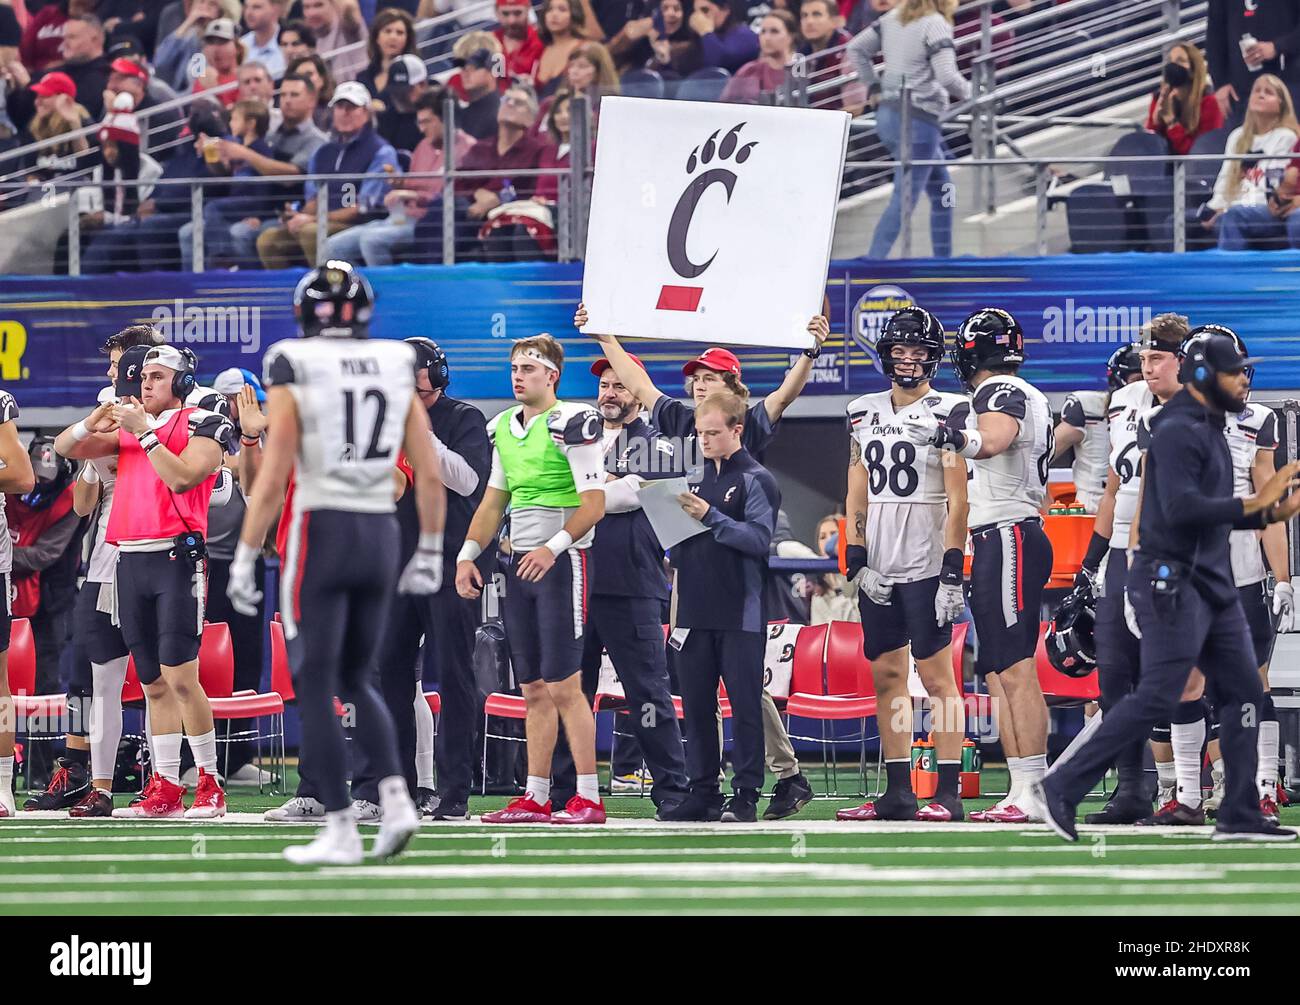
1075,311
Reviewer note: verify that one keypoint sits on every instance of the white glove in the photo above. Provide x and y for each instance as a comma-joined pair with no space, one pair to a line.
921,429
948,604
1284,606
1130,617
877,589
423,573
241,587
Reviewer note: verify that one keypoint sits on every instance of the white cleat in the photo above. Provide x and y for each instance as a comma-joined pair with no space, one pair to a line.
250,776
399,824
367,812
331,847
1166,793
1211,805
296,810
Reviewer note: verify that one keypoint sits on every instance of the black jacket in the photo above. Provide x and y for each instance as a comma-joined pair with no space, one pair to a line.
1187,503
720,574
1276,21
626,557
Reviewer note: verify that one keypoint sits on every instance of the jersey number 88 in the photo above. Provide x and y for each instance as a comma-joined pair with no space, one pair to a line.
900,476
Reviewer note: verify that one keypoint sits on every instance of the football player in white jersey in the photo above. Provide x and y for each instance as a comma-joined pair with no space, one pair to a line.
906,534
16,476
1006,429
1084,426
341,405
1105,566
1252,439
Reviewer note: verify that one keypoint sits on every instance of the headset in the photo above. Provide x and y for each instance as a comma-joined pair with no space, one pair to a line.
429,356
184,381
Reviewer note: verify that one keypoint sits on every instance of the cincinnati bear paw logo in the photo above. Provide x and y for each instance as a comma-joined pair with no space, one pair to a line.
711,152
723,151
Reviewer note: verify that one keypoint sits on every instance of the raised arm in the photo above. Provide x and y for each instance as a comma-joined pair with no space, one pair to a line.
797,376
628,373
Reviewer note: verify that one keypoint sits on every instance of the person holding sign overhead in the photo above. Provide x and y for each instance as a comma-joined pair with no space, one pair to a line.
715,369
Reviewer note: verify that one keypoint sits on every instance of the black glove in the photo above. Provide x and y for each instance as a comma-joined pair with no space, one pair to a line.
855,559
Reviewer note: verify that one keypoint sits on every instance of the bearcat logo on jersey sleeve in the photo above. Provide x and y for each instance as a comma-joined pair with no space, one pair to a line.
211,426
1007,399
579,429
277,368
8,407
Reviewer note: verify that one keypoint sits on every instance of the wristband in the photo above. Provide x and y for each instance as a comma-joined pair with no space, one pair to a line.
813,352
974,443
1097,548
469,551
431,542
81,431
149,440
562,541
245,554
250,441
953,561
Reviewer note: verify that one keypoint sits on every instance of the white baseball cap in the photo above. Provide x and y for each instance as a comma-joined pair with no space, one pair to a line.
353,92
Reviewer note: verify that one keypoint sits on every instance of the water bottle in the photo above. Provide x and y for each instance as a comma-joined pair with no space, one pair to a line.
508,193
1248,40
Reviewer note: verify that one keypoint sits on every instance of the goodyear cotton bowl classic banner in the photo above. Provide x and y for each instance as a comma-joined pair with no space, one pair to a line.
711,222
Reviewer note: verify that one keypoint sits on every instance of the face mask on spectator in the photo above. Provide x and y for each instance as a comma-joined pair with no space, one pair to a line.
1177,75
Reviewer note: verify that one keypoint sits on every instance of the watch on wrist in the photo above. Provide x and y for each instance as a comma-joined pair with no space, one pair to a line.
814,352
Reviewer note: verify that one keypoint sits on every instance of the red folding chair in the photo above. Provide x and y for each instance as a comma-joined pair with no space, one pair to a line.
38,716
501,706
217,678
835,689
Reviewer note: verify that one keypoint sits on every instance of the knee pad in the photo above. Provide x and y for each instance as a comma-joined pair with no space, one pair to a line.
1160,733
1189,711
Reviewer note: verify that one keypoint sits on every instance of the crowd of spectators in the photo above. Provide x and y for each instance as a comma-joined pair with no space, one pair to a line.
293,87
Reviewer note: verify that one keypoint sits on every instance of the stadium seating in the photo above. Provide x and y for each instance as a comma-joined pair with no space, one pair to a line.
642,84
706,84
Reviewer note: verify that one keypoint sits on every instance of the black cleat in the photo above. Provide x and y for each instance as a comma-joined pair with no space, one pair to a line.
95,803
1121,810
788,798
741,808
441,808
1261,831
695,809
1175,814
67,786
1059,815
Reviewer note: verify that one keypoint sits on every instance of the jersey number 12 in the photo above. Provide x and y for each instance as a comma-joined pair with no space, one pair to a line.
373,452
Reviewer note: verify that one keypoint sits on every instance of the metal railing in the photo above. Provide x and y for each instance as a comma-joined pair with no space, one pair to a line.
458,237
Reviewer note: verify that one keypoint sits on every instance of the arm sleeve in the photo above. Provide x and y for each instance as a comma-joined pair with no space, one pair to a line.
497,479
457,474
45,550
621,494
753,535
943,60
1175,457
587,462
862,52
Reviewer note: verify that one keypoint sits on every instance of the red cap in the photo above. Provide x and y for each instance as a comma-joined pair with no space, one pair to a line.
130,68
602,364
512,3
714,358
55,83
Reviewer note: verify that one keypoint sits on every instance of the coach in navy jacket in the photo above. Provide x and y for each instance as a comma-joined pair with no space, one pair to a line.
720,577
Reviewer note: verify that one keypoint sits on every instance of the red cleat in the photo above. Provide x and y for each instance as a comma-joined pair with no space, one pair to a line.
1011,814
580,811
3,811
163,800
520,811
209,800
867,811
1268,807
936,813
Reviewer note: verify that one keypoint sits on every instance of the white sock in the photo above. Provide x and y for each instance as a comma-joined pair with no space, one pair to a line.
1033,768
106,717
589,788
424,738
1166,774
1188,740
539,789
340,823
1266,772
7,781
1013,790
204,749
167,753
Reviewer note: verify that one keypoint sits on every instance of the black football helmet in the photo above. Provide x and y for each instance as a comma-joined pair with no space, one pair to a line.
335,301
1124,362
1070,641
429,356
912,326
989,337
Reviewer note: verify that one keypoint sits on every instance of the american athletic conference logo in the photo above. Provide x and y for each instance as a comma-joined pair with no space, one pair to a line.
870,313
687,298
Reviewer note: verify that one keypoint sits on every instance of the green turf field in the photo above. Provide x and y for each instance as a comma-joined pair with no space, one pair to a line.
808,864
